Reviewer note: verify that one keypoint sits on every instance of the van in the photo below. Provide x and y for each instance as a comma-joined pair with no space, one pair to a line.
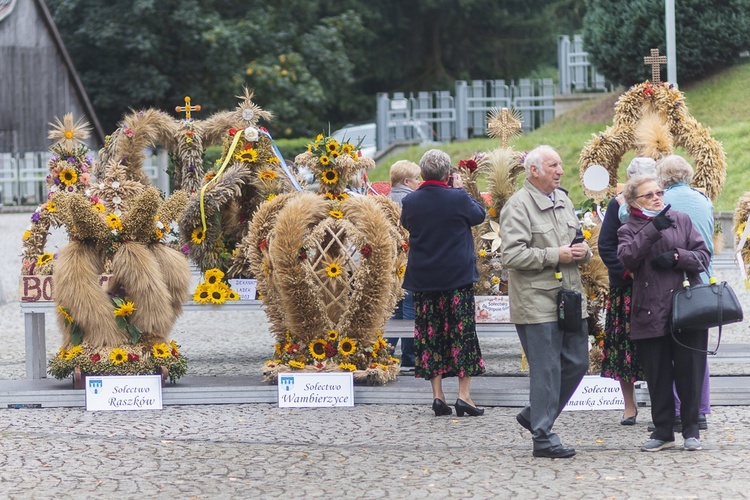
364,132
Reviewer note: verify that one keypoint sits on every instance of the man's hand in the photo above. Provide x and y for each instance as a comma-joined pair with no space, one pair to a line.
573,253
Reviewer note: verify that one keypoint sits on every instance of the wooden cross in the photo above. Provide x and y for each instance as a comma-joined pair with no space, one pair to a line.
655,60
187,108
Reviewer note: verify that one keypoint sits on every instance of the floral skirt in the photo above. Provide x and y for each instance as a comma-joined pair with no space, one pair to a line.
619,357
445,336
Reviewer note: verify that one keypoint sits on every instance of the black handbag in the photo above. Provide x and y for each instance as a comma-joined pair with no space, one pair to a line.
569,310
704,306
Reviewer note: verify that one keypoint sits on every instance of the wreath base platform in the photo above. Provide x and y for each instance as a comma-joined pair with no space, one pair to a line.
370,376
79,378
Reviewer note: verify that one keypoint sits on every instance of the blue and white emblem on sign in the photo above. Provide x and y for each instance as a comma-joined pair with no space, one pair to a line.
287,382
95,384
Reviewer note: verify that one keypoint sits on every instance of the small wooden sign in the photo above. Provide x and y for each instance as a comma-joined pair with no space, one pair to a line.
40,288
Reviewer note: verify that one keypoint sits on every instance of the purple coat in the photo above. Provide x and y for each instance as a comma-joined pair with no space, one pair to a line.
639,243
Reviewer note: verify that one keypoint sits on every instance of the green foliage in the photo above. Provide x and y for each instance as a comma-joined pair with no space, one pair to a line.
708,34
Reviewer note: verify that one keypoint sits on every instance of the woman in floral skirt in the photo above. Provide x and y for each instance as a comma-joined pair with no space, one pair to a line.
441,271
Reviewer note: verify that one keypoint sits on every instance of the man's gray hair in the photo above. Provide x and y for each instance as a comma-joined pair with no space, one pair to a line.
435,165
536,158
673,169
641,165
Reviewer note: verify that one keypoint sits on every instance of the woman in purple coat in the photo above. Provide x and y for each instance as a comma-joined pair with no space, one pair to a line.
657,244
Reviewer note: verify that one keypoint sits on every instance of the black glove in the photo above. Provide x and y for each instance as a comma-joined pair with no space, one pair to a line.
665,260
662,221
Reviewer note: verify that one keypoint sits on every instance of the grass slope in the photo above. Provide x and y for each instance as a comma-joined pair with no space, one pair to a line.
718,102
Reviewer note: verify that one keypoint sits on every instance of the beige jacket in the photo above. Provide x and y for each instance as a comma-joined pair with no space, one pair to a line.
532,228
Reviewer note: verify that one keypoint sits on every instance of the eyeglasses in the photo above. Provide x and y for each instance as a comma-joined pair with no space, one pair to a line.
652,195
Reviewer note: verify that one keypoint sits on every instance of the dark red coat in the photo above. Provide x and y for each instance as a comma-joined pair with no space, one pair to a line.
640,243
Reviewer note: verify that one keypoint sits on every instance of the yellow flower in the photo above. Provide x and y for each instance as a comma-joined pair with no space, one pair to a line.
98,206
65,314
401,271
198,236
329,196
343,196
493,212
347,148
201,293
586,234
44,258
114,222
126,309
332,145
296,364
318,138
495,280
267,175
329,176
332,335
161,351
232,295
217,293
68,176
347,346
118,355
213,275
159,234
336,214
274,159
51,207
347,366
324,160
482,253
26,235
174,346
317,349
741,229
270,197
247,156
73,352
333,270
61,353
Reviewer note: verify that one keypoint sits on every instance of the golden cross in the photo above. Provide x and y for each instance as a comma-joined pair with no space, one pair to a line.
504,124
187,108
655,60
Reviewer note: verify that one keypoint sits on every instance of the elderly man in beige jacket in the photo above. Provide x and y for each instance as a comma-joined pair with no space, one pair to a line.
538,225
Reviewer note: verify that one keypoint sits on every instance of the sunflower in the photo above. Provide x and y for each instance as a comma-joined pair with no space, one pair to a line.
401,271
98,206
217,293
296,364
343,196
587,234
51,207
114,222
324,160
73,352
247,156
318,138
334,155
124,309
333,270
232,295
347,346
213,276
267,175
347,148
44,258
61,353
347,366
198,235
329,176
336,214
65,314
317,349
68,176
201,294
332,146
274,159
118,355
161,351
329,196
332,335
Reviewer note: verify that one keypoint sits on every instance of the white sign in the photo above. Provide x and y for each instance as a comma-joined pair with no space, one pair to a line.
244,287
596,393
314,390
133,392
492,309
399,104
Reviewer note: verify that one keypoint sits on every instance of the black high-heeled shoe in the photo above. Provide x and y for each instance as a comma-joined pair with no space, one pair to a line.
464,407
441,408
630,420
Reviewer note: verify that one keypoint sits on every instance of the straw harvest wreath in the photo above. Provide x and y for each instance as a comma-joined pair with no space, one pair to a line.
329,267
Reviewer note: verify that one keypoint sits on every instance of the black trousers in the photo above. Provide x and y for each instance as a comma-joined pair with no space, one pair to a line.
665,362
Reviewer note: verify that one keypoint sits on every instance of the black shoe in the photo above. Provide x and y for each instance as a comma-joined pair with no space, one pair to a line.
523,422
630,420
557,451
441,408
464,407
702,422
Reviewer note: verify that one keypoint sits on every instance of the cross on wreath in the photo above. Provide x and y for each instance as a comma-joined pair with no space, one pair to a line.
187,108
655,60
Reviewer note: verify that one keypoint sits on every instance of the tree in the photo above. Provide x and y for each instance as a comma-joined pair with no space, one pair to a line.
709,34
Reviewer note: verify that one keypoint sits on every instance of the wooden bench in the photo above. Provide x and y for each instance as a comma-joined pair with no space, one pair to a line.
36,342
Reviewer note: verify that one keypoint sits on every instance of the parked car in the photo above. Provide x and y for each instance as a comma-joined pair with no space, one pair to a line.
361,134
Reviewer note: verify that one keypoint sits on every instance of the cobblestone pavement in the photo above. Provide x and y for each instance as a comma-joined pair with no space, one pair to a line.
374,451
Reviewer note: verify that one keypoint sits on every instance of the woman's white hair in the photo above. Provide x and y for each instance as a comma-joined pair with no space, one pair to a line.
641,165
435,165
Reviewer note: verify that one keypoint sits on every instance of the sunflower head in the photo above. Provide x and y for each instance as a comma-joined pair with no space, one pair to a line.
347,346
161,350
317,349
329,176
198,236
213,276
118,355
45,258
333,270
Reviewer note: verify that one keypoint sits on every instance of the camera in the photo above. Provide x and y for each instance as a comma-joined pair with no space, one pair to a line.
450,177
